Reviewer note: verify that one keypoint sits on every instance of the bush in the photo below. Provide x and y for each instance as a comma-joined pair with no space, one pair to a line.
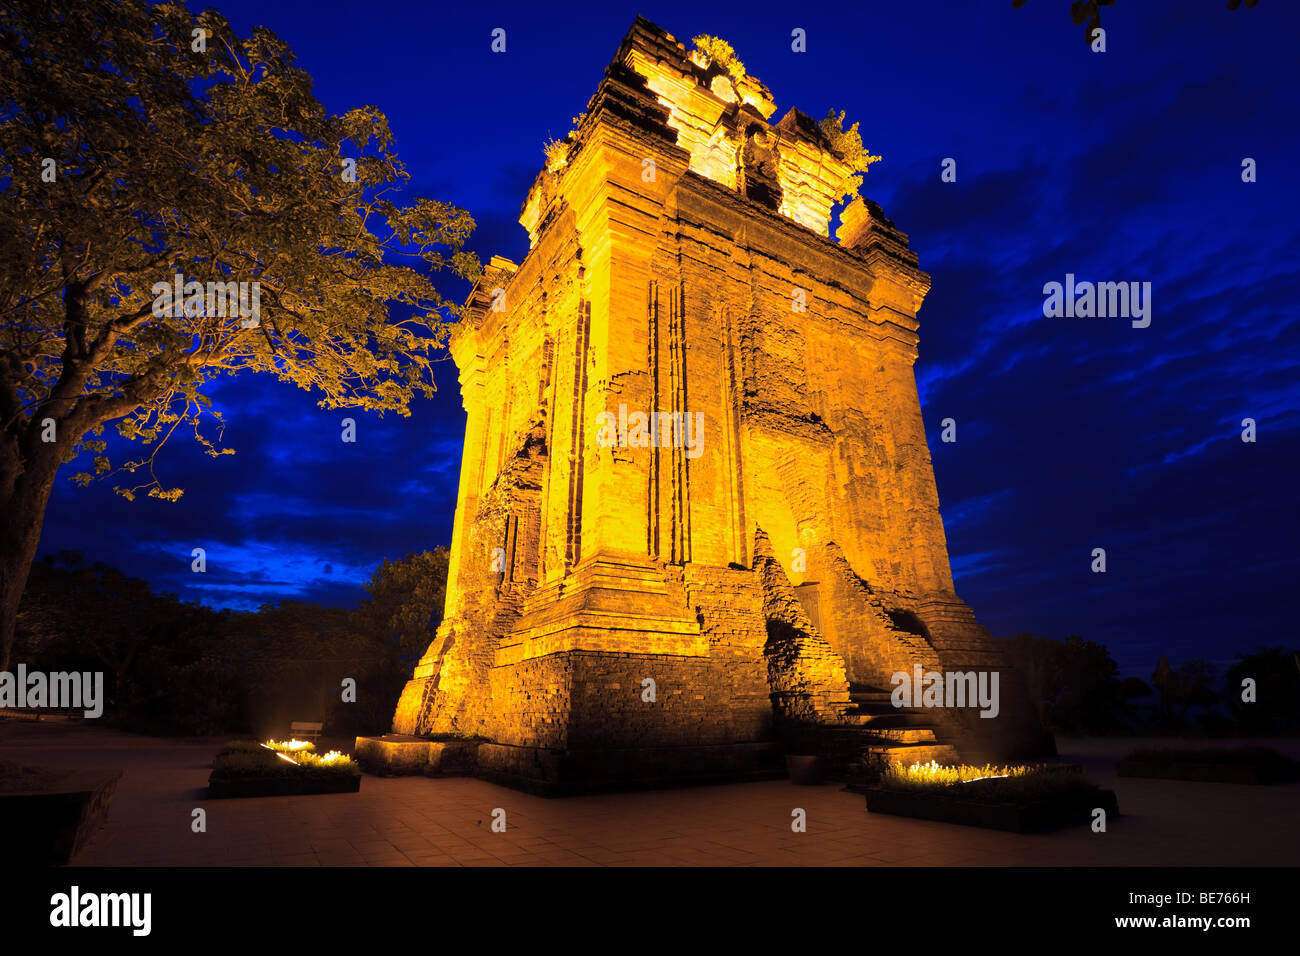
1016,783
292,747
1211,765
238,759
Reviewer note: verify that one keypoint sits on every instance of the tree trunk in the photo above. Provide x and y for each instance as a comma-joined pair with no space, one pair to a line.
21,517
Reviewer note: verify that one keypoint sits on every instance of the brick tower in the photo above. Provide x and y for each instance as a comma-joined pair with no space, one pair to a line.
697,520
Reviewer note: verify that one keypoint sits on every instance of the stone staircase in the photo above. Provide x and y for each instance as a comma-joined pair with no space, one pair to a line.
876,734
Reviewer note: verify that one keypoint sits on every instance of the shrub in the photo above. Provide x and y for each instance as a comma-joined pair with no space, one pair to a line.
258,761
990,783
292,747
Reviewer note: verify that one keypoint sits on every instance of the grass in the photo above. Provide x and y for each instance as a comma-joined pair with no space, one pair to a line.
241,758
989,783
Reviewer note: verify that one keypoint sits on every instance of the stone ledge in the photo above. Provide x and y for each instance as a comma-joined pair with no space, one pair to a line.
48,827
404,754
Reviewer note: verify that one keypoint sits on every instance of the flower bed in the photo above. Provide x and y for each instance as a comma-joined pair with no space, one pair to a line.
250,769
1019,798
1253,765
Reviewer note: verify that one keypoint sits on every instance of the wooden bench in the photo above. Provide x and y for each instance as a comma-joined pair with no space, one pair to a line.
306,729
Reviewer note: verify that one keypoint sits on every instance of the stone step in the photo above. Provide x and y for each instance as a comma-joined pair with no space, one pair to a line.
878,756
853,737
874,722
869,695
892,727
886,709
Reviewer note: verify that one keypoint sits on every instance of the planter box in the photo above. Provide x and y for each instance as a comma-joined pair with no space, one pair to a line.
48,827
1047,813
282,786
1263,772
398,754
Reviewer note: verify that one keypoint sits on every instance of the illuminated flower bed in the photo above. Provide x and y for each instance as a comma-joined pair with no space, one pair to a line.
290,746
1024,798
251,769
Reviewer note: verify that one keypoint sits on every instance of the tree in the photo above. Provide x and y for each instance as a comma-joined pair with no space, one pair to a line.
847,143
1276,707
1088,12
139,144
170,666
1193,687
1074,682
715,50
406,599
1040,659
1163,681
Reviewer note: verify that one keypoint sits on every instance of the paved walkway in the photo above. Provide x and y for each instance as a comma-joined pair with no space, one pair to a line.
405,821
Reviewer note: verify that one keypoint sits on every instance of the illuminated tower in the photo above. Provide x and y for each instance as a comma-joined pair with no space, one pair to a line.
697,516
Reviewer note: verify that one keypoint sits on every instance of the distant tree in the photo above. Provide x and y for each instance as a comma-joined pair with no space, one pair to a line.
1075,682
1276,709
406,599
1092,700
176,667
1132,687
1194,682
170,666
1041,660
142,142
1163,681
1088,12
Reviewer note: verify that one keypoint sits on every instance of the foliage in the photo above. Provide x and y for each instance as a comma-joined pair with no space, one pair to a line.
406,599
722,53
242,179
847,144
1088,12
1276,708
559,151
207,157
934,774
334,760
556,152
989,783
1075,683
291,747
230,765
1220,764
170,666
176,667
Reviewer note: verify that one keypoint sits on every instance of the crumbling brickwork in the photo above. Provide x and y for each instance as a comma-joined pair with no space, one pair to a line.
694,451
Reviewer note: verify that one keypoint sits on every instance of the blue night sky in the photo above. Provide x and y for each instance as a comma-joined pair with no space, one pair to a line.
1073,433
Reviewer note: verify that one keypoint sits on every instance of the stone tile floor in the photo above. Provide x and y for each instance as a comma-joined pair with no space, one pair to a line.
419,821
